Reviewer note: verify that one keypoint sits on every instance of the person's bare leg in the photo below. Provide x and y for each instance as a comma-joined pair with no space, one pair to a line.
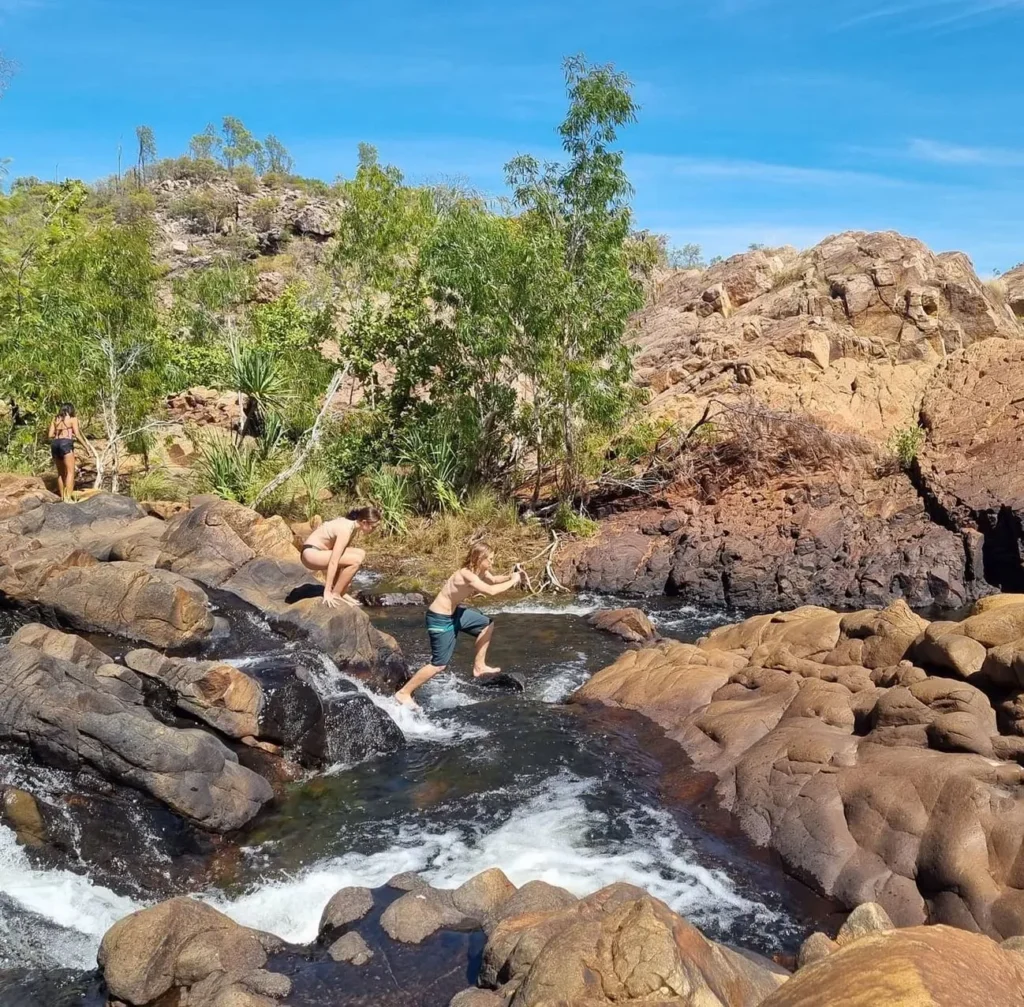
480,665
348,566
59,463
69,479
425,674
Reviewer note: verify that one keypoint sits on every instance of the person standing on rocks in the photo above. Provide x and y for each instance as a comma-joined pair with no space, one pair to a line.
64,431
448,616
329,549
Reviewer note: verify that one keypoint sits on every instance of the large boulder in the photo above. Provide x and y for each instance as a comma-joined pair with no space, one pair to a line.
73,716
618,945
292,601
188,947
917,967
214,538
19,493
872,783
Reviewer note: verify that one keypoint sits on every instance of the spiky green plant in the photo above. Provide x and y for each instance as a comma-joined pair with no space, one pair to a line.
389,492
257,375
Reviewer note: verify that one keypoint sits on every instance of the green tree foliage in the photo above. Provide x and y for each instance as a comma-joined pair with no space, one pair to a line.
206,146
77,316
278,158
146,149
239,146
576,221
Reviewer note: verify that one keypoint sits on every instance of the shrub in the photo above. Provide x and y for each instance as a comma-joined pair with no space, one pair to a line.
200,169
155,484
258,376
350,448
437,478
388,490
135,207
263,211
638,441
905,443
233,470
573,523
245,179
313,480
203,211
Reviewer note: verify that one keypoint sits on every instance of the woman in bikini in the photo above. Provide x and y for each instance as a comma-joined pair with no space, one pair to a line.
63,434
448,616
329,548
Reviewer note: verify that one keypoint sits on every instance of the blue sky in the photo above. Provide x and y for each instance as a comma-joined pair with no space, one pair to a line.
777,121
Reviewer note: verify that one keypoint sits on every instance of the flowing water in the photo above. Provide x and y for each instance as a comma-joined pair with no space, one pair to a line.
488,778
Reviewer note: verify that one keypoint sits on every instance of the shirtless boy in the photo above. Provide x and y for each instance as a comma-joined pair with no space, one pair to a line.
329,549
448,616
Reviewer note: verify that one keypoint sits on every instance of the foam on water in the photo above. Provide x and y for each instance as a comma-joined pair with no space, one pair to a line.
414,724
547,838
71,901
567,679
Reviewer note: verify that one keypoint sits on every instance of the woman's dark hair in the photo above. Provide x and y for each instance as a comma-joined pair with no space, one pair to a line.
66,409
369,514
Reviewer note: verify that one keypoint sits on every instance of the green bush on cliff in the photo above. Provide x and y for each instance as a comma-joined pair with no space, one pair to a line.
905,443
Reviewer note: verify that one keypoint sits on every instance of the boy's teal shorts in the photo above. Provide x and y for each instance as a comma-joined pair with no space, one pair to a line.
444,631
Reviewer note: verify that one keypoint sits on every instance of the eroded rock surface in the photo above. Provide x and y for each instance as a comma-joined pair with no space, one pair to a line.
877,780
71,715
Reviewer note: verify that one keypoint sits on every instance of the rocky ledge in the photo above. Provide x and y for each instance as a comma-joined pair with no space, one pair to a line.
535,946
878,753
205,738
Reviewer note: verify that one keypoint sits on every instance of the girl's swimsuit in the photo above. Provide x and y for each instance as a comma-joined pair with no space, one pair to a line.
444,631
61,447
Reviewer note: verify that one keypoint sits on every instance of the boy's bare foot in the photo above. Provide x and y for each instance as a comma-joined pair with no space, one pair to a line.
407,701
486,671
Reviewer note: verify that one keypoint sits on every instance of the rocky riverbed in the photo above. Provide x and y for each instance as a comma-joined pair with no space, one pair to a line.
202,783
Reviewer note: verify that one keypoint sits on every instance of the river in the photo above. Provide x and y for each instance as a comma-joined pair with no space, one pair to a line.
488,778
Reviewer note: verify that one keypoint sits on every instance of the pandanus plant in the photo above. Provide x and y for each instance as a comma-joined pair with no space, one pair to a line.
262,389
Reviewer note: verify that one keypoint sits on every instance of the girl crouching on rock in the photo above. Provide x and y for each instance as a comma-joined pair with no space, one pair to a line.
448,616
329,549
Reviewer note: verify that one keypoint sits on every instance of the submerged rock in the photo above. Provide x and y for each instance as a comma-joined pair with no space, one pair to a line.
629,624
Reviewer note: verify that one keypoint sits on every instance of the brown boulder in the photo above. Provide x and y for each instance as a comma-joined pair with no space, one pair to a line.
484,896
918,967
68,714
19,493
19,810
621,945
944,648
412,918
217,693
629,624
351,948
186,945
346,906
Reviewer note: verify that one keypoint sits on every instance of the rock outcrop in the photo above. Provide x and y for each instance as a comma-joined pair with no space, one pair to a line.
861,337
73,715
189,948
875,770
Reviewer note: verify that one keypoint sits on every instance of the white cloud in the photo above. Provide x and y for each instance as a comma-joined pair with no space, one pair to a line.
934,13
759,171
938,152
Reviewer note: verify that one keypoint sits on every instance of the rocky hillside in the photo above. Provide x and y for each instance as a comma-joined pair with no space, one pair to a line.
870,344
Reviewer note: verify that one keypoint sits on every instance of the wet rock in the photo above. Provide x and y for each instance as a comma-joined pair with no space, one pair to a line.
420,913
936,966
216,693
19,810
61,711
292,602
629,624
392,600
350,948
407,881
186,945
346,906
